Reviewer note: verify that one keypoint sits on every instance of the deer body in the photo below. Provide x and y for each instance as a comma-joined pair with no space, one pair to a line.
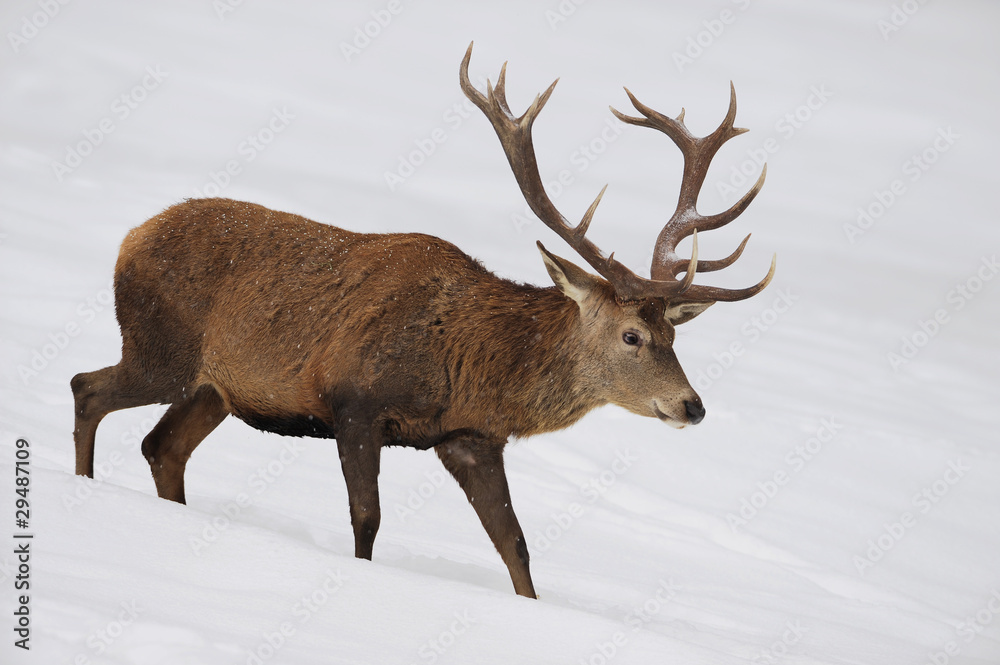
377,340
301,326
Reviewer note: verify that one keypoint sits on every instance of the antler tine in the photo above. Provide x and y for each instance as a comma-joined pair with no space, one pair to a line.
672,127
731,114
470,91
700,293
719,264
692,267
515,137
581,228
500,89
709,222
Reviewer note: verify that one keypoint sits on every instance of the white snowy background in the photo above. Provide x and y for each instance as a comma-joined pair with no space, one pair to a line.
839,504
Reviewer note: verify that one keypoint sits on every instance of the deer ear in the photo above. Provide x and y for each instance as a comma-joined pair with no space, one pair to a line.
684,312
575,282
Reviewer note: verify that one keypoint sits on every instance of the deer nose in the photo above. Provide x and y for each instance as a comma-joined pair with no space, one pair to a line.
695,411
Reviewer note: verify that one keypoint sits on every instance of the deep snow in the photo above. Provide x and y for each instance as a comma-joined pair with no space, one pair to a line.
838,505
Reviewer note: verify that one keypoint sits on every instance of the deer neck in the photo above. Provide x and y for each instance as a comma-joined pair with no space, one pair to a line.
539,353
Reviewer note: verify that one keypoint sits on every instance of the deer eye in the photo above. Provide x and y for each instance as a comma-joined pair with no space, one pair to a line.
631,338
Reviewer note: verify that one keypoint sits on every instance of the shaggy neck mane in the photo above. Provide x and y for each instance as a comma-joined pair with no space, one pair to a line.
532,343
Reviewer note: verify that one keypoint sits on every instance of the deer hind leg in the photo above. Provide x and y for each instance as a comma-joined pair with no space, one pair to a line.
96,394
170,443
478,467
360,460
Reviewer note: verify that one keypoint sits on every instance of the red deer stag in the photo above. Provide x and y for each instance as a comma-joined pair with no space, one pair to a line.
375,340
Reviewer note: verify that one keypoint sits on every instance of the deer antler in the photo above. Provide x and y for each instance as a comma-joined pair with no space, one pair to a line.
515,136
698,154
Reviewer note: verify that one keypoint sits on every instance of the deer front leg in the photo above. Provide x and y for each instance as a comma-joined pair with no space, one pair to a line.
359,459
477,465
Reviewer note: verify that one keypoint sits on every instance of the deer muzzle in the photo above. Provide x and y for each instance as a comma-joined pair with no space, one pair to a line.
680,413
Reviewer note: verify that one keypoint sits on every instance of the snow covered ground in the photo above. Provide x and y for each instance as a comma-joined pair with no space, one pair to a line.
839,504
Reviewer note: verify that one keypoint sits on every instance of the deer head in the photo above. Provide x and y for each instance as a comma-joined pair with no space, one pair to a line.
627,321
